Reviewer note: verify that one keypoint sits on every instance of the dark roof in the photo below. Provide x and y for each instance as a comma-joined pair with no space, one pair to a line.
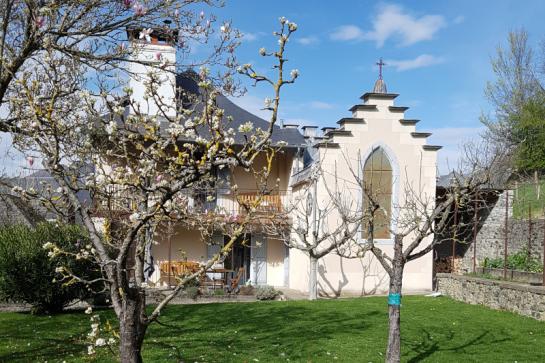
398,108
363,108
408,122
384,96
188,82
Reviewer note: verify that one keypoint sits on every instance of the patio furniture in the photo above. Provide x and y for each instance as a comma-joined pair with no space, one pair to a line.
214,282
174,269
234,285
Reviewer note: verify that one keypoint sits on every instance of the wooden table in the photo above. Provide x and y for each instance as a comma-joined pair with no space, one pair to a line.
223,271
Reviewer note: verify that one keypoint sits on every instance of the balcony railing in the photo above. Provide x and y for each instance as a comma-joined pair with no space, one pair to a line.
231,203
223,202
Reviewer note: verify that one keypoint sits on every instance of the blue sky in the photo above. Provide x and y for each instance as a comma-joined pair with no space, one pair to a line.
438,55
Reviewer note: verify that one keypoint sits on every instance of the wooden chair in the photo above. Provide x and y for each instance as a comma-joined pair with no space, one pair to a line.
234,286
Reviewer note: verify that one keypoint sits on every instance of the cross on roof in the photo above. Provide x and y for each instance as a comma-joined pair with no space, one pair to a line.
380,64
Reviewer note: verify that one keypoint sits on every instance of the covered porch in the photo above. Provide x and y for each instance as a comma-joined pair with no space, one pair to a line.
254,260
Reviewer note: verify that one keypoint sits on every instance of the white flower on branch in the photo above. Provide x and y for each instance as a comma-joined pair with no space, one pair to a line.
100,342
268,102
59,269
140,10
48,246
225,28
294,73
89,310
145,34
246,127
111,127
134,217
292,27
262,51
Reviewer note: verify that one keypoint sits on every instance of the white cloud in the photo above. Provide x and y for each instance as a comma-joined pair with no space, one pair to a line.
347,32
250,37
459,19
452,138
392,22
423,60
307,40
320,105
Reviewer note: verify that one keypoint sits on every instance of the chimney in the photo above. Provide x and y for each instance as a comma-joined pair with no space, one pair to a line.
290,126
325,130
153,52
309,131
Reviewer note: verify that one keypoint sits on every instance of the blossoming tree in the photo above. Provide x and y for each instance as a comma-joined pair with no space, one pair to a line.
120,171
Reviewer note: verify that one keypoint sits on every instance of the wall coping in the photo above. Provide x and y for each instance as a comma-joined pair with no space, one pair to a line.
540,290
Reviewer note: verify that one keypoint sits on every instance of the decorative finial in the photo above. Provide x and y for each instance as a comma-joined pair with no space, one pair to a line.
380,64
380,85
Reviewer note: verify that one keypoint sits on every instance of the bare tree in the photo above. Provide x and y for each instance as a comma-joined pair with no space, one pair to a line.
305,223
419,224
135,167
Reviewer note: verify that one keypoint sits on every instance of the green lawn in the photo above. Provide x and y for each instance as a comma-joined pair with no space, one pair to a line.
350,330
526,200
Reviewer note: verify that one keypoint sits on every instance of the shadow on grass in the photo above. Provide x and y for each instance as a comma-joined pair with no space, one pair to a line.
428,345
297,331
30,342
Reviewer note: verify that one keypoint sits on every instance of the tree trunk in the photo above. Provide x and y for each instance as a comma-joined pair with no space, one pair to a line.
313,279
132,328
393,352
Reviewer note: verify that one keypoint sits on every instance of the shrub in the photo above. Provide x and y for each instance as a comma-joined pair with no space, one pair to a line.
266,293
518,261
27,273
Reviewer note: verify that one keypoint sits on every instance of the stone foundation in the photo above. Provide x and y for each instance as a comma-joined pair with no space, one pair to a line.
518,298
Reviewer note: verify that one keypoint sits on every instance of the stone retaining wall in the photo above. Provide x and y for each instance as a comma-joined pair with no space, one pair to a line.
518,298
491,235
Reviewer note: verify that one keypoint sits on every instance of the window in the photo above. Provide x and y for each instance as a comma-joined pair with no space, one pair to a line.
377,180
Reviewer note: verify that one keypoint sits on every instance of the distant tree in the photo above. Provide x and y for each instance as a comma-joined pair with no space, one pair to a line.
529,131
517,84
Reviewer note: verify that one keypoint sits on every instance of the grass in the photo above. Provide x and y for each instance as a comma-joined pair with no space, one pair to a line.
526,200
348,330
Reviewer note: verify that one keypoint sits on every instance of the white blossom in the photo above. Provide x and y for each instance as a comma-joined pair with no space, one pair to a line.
225,28
246,127
111,127
292,26
294,73
89,310
134,217
262,51
100,342
145,34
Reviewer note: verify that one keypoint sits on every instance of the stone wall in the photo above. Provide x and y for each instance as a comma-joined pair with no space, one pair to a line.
491,235
518,298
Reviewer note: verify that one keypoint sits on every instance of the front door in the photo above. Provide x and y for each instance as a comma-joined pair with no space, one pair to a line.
258,273
239,257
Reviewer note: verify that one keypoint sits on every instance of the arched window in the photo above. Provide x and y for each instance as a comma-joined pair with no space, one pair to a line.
377,180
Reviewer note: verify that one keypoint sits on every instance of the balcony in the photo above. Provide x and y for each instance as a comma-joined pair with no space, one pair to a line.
119,200
216,201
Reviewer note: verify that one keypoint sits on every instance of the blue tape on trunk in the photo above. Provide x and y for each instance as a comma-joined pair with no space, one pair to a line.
394,299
